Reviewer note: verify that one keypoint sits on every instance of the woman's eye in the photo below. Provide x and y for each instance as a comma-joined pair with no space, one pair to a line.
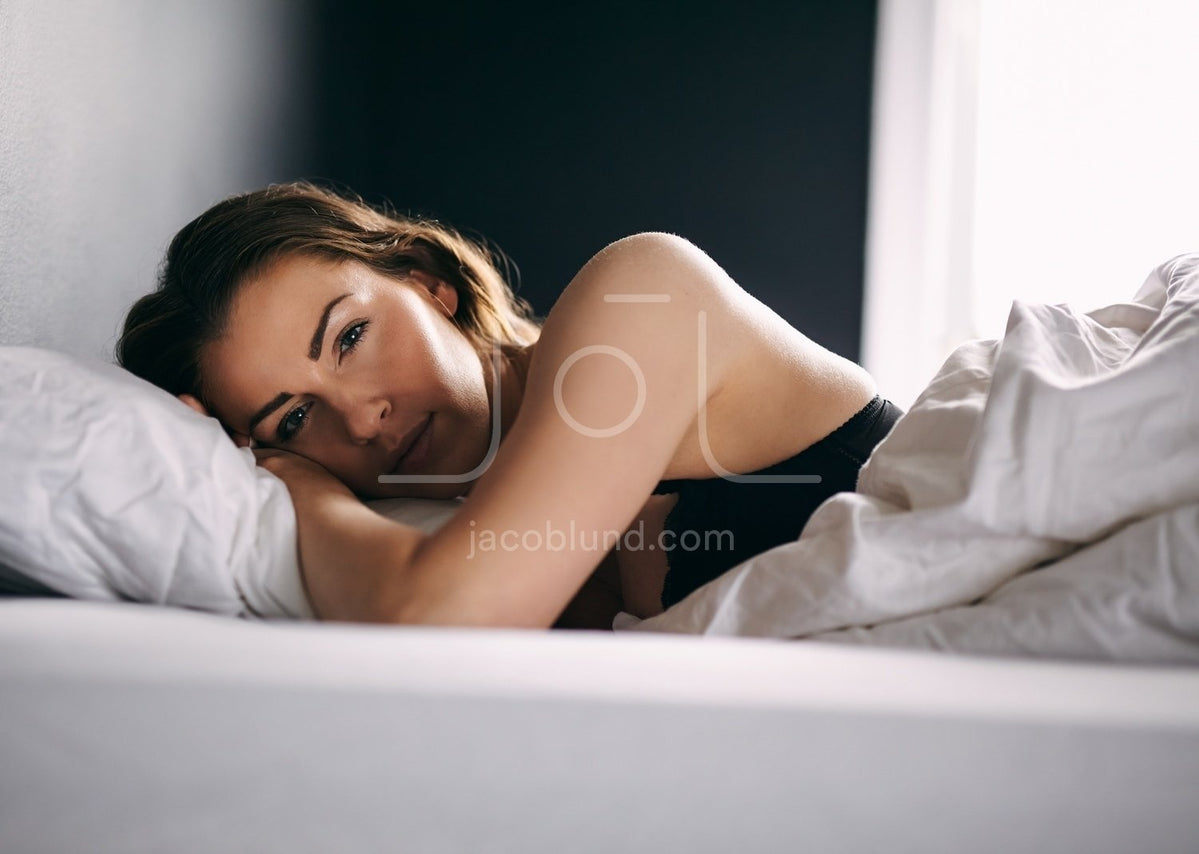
352,337
292,423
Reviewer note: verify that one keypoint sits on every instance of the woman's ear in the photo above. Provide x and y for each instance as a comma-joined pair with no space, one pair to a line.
239,439
193,402
438,290
447,296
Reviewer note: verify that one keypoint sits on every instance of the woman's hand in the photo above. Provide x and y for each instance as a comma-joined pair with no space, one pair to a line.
298,473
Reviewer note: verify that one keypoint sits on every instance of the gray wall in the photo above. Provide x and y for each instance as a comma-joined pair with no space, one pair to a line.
120,120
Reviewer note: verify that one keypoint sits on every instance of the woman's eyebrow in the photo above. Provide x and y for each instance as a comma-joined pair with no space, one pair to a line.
318,337
277,401
314,353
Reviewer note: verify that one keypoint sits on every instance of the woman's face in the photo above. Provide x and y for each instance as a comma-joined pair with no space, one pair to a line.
338,363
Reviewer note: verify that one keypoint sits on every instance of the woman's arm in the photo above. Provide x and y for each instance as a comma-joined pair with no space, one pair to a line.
337,530
613,387
597,602
346,549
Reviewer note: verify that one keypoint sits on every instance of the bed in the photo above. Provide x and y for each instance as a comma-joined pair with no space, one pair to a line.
990,645
133,728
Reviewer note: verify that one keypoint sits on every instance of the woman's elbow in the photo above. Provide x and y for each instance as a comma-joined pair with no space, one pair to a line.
374,584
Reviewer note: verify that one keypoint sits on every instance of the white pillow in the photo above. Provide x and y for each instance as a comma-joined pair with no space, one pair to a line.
114,489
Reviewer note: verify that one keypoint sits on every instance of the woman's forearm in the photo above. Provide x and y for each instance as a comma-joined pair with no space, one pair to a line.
352,559
351,556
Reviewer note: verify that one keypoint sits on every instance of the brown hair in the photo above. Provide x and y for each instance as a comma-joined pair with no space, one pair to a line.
213,255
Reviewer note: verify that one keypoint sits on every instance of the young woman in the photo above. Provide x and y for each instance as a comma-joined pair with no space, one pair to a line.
601,452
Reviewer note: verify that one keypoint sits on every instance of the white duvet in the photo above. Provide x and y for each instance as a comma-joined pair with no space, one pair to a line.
1040,496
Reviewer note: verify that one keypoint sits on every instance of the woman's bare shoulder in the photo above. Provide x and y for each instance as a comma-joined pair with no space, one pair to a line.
657,262
764,389
660,285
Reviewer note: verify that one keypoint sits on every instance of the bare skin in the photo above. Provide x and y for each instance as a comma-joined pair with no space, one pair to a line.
764,393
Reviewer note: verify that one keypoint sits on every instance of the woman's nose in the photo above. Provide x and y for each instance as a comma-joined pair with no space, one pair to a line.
365,421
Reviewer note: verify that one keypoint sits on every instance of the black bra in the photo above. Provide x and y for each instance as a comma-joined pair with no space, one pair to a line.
718,523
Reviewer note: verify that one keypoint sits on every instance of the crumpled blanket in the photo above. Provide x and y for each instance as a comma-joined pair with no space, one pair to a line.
1041,496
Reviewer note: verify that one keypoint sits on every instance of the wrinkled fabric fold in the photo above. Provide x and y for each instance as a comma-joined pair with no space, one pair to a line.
1073,430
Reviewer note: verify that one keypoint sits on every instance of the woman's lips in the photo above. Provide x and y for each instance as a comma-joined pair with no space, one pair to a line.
417,448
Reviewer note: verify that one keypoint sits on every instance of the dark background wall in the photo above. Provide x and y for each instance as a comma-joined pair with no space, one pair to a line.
743,127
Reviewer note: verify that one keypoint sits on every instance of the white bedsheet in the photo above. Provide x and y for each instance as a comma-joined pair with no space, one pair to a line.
141,729
1070,446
